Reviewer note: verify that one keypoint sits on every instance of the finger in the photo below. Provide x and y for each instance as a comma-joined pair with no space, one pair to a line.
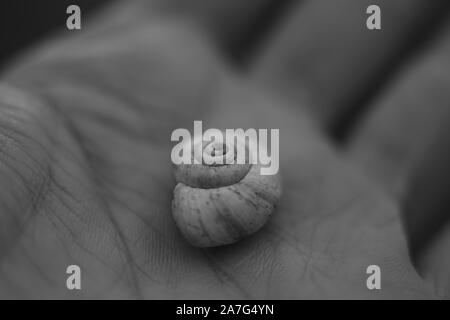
141,63
427,206
234,24
426,197
406,119
402,138
404,144
324,53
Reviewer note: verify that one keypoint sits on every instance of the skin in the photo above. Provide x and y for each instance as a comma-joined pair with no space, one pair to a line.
86,178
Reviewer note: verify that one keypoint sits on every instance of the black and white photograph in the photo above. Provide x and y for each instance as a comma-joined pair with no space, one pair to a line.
231,157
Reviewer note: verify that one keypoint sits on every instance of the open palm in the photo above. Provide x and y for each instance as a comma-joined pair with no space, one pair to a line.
86,179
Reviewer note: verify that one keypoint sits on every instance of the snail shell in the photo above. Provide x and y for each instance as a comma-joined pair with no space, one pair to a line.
218,204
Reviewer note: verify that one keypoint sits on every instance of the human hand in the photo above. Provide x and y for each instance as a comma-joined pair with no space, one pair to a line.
86,176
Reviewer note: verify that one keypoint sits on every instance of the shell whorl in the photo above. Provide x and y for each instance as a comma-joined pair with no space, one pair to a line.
216,203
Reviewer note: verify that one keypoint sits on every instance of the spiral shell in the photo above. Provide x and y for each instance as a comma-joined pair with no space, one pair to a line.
216,203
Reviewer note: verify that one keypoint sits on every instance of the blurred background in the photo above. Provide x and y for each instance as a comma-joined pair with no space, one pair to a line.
24,22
